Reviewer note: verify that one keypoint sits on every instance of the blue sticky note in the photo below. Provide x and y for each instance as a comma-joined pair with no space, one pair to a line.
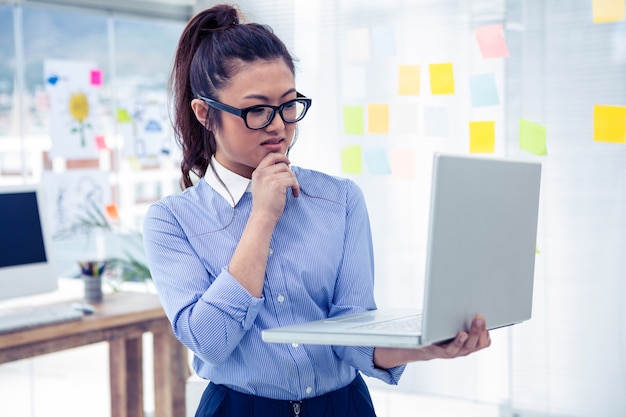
384,41
483,90
376,161
436,122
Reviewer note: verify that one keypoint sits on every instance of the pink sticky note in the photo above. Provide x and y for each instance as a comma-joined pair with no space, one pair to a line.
100,142
96,77
491,41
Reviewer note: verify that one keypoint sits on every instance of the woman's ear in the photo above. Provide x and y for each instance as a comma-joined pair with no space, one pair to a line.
200,109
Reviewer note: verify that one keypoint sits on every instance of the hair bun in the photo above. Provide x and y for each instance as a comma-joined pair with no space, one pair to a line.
221,18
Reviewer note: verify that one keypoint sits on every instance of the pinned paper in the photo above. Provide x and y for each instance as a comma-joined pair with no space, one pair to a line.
352,160
491,41
436,122
353,120
609,124
483,90
482,137
409,80
123,116
358,44
532,137
376,161
403,164
378,118
441,78
96,77
608,11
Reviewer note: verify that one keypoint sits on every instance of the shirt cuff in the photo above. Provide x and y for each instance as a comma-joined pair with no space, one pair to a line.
228,295
363,360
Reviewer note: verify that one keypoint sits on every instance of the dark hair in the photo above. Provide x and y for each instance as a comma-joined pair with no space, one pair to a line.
212,49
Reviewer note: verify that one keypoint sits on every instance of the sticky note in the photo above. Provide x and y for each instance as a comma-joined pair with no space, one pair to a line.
483,90
403,163
491,41
403,118
482,137
376,161
101,142
409,80
123,116
441,78
358,44
96,77
532,137
383,41
353,82
608,11
112,212
353,120
378,118
352,159
436,122
609,124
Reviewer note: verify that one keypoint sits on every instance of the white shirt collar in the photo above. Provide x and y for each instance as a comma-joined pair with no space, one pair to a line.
235,183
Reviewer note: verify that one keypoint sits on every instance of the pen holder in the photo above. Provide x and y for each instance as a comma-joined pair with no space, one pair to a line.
93,288
92,279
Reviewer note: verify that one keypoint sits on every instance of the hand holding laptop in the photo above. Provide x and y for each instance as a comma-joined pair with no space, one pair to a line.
465,343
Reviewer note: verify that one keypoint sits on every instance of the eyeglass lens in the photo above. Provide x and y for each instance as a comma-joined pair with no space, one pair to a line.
262,116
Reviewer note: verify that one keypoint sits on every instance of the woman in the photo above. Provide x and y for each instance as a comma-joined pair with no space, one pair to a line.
257,243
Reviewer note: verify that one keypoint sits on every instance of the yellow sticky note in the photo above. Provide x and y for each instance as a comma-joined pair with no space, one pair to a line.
608,11
609,124
352,159
482,137
532,137
123,116
378,118
353,120
409,80
441,78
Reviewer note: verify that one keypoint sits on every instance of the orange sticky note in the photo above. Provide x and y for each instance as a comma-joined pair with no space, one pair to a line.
378,118
441,78
608,11
409,80
111,210
609,124
491,41
482,137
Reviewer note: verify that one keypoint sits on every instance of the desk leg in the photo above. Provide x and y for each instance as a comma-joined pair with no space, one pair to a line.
171,371
126,373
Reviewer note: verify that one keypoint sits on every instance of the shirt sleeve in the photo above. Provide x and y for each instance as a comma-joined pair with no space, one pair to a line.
209,314
354,290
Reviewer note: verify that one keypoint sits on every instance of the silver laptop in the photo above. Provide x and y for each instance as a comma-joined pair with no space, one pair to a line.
481,259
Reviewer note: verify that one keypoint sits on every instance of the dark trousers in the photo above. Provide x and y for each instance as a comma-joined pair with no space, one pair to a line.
351,401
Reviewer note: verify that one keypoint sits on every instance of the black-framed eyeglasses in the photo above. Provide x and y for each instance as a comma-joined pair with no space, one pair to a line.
261,115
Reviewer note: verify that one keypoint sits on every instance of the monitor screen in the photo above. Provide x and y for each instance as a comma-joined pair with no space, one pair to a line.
26,267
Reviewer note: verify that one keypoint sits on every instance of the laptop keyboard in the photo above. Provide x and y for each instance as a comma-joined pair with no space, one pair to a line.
411,324
27,318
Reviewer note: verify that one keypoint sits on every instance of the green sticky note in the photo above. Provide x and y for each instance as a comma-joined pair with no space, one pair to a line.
123,116
352,159
482,137
609,124
353,120
532,137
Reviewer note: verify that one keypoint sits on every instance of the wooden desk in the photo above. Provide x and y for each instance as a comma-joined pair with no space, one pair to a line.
120,320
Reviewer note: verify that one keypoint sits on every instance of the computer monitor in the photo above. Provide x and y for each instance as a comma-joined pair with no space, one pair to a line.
26,264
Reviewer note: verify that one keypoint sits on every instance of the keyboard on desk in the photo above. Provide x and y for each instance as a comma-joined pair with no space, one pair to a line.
27,318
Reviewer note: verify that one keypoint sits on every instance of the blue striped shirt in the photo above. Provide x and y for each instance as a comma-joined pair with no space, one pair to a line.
320,264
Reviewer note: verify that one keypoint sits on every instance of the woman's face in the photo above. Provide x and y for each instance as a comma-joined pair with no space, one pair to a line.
262,82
